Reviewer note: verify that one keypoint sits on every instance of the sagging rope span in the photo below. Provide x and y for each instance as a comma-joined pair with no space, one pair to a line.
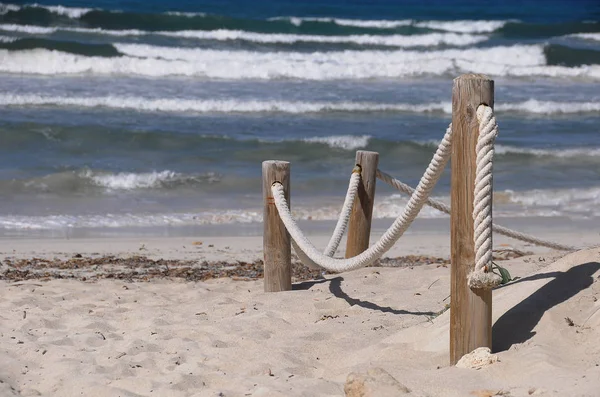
387,240
481,276
438,205
342,223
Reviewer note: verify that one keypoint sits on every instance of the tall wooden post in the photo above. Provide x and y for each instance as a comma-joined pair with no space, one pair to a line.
470,310
359,226
276,239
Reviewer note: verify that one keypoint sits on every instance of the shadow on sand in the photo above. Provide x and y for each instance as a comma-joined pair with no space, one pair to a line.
517,324
335,286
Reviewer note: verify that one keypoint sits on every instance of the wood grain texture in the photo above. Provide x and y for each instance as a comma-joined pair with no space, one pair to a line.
276,239
470,310
359,226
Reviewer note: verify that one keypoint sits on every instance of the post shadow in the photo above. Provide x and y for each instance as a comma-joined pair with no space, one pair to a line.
335,286
517,324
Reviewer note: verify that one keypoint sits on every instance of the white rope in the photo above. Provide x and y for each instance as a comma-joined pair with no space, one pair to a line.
438,205
414,205
342,223
482,275
340,227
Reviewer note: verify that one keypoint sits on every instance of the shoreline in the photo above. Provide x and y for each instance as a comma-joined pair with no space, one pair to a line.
243,242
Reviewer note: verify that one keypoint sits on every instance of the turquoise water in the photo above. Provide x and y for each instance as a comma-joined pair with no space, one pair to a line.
123,114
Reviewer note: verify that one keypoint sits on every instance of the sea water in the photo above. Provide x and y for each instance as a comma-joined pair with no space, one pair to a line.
156,115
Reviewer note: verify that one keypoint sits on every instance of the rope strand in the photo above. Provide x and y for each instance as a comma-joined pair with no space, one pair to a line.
438,205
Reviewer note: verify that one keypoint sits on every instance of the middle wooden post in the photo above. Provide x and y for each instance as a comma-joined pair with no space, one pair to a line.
470,309
359,227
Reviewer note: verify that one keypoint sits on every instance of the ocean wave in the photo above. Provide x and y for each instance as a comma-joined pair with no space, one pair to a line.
531,106
346,142
145,180
534,106
580,203
463,26
574,203
586,36
34,29
214,106
505,150
71,12
100,182
519,61
5,8
186,14
578,152
70,47
424,40
360,23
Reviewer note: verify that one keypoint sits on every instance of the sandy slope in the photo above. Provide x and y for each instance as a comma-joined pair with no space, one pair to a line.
174,338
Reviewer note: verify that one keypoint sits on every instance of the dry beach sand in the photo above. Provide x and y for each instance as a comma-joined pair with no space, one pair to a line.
188,317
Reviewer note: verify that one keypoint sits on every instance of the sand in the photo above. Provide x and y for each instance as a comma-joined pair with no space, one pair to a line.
380,331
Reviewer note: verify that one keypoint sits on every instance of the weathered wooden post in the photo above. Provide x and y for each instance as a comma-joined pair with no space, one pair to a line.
470,309
276,239
359,226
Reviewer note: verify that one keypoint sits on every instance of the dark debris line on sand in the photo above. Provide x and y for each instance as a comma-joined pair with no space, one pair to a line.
141,268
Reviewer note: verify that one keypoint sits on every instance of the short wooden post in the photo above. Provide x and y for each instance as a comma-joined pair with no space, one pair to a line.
276,239
359,226
470,310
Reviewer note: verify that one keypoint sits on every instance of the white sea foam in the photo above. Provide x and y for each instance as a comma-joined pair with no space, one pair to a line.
6,39
375,24
175,105
497,61
382,63
129,180
586,36
425,40
347,142
562,153
4,8
549,107
71,12
186,14
579,203
34,29
213,106
463,26
574,203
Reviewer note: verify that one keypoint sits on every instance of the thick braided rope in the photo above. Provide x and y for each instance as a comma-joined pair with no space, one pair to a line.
414,205
438,205
340,227
482,275
342,223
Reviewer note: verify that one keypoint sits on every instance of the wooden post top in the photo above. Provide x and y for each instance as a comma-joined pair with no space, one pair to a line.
473,76
269,162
